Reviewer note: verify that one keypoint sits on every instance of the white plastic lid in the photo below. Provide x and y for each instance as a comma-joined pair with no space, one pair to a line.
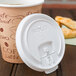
40,42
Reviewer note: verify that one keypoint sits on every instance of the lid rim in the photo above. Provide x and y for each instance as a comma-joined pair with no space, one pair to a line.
23,5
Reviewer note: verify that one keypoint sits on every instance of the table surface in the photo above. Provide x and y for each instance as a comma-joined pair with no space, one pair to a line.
67,67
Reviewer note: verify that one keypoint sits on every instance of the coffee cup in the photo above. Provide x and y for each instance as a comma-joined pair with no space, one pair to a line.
11,13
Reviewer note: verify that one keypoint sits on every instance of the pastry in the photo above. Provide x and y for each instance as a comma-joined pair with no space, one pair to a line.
68,33
68,22
59,24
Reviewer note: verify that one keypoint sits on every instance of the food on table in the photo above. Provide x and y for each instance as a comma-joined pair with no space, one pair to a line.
68,22
59,24
68,33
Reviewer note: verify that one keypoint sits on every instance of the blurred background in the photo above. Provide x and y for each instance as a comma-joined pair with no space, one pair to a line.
61,1
70,4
